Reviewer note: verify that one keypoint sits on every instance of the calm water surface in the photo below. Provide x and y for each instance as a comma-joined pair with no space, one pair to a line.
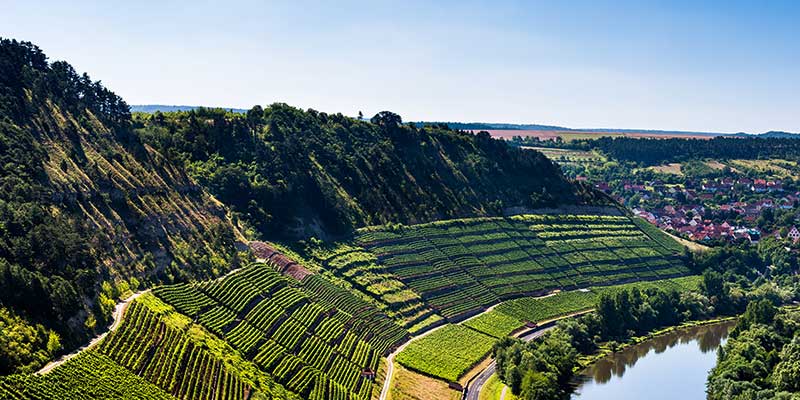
673,366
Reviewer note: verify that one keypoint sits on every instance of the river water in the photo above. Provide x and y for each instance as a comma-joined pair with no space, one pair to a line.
672,366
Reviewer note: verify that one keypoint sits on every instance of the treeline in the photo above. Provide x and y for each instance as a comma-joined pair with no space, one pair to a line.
290,172
761,360
543,369
659,151
24,68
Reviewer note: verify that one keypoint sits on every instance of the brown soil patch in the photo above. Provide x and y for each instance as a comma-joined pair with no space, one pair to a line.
409,385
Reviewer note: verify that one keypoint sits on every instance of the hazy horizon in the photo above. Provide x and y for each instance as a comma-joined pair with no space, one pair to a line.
716,67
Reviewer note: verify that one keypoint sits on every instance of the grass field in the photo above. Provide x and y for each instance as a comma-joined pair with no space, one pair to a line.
777,168
493,390
671,168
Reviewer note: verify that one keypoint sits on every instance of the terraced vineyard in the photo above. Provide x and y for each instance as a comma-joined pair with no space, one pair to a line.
155,354
452,350
460,267
361,269
168,358
88,376
316,338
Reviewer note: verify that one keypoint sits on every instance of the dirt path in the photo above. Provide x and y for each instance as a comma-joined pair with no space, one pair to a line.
117,314
119,311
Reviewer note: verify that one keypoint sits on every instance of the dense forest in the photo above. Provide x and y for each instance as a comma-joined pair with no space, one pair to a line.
290,172
87,211
660,151
762,358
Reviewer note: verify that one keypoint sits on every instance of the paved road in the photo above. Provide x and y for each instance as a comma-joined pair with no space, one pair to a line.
474,389
387,383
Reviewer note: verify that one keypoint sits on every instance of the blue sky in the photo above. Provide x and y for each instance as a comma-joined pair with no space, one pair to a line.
717,66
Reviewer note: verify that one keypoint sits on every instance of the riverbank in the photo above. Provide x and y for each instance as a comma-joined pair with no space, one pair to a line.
606,350
492,386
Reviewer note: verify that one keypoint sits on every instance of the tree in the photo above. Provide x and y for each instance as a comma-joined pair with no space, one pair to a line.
787,372
255,118
539,386
758,312
609,315
713,285
387,119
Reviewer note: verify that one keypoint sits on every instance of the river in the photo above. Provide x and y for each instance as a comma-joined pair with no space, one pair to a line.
672,366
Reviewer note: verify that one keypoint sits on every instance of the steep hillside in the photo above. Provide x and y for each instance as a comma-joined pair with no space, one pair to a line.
156,353
316,338
454,269
294,173
87,211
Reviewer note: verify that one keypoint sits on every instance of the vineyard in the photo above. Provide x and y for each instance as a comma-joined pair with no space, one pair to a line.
540,309
88,376
461,267
317,339
362,270
155,354
451,351
168,358
464,348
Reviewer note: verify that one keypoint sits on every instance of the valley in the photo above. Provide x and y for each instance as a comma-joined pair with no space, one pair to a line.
282,253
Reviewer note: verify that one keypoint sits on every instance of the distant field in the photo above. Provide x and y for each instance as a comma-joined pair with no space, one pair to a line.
715,165
671,168
778,168
574,135
568,156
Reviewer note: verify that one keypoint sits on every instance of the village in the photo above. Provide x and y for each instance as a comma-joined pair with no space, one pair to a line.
712,210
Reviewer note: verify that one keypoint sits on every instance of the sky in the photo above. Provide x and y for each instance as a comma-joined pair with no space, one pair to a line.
718,66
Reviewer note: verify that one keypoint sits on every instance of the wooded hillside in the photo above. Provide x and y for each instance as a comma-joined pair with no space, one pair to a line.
300,173
83,202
